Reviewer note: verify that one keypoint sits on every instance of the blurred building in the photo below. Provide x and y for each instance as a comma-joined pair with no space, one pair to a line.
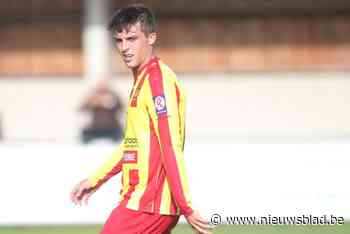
221,35
262,67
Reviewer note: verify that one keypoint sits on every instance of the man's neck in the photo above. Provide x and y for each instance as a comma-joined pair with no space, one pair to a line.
138,69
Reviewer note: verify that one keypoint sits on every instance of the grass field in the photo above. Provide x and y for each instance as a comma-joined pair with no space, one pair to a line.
185,229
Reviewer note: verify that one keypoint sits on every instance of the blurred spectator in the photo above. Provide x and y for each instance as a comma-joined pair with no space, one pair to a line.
104,106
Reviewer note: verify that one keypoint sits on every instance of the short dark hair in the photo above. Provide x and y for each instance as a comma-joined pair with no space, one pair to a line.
125,17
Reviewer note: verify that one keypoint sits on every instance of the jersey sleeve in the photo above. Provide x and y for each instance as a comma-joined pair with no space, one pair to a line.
164,112
109,168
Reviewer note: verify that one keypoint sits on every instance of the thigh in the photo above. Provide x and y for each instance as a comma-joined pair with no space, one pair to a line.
123,220
120,221
168,223
159,224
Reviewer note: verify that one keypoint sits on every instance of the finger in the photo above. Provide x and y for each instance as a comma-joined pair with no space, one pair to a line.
87,197
200,229
85,194
74,192
74,196
203,223
201,220
78,196
205,226
196,231
81,197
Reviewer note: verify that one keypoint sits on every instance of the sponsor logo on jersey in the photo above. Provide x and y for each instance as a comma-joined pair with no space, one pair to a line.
130,142
159,103
130,157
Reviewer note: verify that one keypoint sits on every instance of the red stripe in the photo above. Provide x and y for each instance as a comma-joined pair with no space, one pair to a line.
160,172
137,91
178,112
168,158
159,187
127,195
154,59
133,181
177,96
115,170
140,70
171,166
149,195
173,207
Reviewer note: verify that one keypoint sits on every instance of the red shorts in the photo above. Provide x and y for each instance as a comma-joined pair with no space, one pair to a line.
123,220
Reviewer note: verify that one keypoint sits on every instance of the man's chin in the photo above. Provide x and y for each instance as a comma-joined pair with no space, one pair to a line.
130,65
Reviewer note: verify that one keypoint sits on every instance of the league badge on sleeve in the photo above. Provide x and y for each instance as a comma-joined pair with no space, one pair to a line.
159,103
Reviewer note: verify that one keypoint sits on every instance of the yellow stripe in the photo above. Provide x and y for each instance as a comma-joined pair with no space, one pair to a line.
102,171
166,199
177,134
143,166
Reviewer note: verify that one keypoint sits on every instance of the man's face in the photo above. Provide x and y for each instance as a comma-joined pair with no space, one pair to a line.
134,46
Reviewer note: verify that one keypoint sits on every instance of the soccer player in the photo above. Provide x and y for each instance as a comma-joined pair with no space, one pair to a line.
154,184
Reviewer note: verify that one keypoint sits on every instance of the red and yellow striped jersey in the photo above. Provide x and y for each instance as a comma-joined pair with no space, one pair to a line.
151,153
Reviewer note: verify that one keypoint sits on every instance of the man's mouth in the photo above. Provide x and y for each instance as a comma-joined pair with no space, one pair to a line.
127,57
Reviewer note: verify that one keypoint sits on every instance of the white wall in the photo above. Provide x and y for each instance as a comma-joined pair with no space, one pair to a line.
302,105
228,177
257,144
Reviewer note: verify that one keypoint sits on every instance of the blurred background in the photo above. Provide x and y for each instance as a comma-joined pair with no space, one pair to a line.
268,110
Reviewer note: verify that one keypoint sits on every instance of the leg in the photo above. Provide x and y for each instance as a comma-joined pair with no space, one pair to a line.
126,221
117,222
171,224
159,224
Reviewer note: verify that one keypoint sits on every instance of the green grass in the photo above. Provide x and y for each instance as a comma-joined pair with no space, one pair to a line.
185,229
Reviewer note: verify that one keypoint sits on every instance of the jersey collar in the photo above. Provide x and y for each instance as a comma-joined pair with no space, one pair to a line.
142,69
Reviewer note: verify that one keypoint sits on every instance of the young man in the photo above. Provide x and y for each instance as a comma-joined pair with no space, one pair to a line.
155,191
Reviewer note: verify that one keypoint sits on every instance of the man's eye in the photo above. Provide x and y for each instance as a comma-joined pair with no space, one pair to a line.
118,40
132,38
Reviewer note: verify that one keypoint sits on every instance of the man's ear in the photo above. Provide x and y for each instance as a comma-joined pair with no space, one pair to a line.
152,37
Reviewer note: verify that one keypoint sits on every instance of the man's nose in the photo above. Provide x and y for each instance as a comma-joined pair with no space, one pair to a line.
124,46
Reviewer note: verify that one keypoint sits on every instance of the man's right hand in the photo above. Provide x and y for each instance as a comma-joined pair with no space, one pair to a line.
82,192
199,224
